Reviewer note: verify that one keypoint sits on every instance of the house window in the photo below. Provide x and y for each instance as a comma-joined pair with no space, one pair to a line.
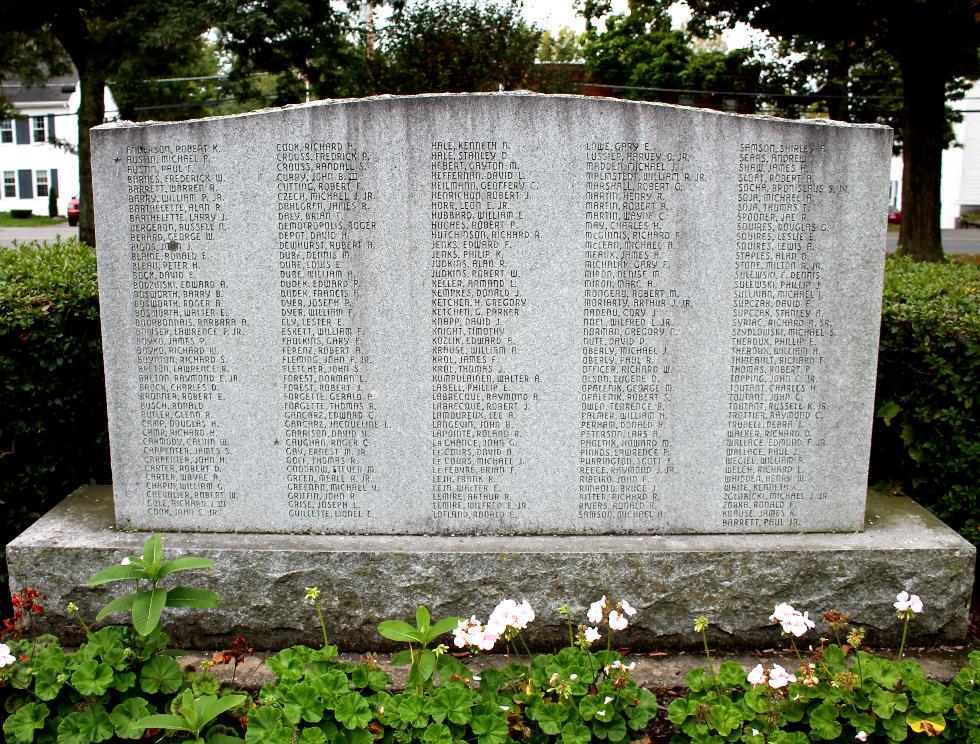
41,182
7,131
40,128
9,183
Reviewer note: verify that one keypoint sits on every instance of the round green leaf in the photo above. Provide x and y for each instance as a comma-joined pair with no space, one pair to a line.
353,711
160,674
86,726
125,714
92,679
20,727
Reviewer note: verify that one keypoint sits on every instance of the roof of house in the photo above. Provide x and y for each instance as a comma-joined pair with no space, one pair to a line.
54,90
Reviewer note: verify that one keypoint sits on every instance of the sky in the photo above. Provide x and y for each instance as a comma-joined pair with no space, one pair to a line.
553,14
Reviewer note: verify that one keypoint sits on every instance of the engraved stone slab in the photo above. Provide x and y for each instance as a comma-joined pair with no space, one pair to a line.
499,313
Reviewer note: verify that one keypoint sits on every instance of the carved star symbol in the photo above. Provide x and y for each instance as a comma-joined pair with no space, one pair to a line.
116,160
276,442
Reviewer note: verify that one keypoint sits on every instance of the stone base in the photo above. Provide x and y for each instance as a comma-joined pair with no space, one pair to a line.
734,580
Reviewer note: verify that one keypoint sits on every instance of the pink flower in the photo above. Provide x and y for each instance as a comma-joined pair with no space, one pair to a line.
617,621
620,665
596,610
792,621
627,608
906,603
778,677
592,635
757,676
6,658
861,736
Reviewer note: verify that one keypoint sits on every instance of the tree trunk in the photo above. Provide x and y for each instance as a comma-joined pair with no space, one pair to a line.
924,113
91,113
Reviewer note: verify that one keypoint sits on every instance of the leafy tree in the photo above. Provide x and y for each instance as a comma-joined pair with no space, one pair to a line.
640,50
304,46
933,42
565,46
100,37
455,46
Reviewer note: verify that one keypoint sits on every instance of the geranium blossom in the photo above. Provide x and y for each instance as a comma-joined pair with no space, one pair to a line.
472,633
592,635
792,621
906,603
6,658
861,736
509,614
627,608
779,677
617,621
757,676
596,610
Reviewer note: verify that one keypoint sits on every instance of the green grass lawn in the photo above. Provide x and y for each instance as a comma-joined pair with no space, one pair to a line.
33,221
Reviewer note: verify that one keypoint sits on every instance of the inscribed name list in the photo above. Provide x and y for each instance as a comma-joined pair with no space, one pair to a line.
490,314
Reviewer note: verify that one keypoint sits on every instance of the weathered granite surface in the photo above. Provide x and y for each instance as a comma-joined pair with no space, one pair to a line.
734,580
490,314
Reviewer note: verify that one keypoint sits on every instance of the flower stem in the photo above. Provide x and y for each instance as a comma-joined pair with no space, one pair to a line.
905,630
707,653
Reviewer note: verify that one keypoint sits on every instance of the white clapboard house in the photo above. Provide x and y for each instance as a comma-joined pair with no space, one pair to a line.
38,148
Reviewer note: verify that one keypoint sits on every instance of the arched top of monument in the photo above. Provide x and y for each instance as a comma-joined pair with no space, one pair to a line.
501,99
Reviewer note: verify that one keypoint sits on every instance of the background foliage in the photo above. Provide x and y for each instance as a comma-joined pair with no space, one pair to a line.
926,439
53,432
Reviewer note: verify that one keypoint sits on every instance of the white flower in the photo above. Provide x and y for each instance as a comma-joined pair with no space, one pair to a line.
617,621
755,732
778,677
781,611
627,608
504,707
607,700
476,678
906,603
573,677
6,658
595,610
793,622
620,665
861,736
601,712
592,635
757,676
126,561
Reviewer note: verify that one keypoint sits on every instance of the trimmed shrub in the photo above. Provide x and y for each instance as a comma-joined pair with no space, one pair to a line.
926,440
53,432
21,214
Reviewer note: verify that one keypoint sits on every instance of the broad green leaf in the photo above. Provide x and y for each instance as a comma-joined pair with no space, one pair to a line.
490,729
397,630
611,730
575,732
679,710
153,550
402,658
47,683
113,573
823,722
210,706
160,674
549,716
453,703
124,716
446,625
266,725
412,711
302,704
731,674
85,726
187,563
313,736
427,663
330,685
185,596
287,665
644,709
437,733
20,727
147,609
92,679
889,410
353,711
119,604
163,721
422,620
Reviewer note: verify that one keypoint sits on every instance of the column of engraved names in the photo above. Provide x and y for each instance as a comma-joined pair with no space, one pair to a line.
479,396
776,332
325,218
629,327
175,217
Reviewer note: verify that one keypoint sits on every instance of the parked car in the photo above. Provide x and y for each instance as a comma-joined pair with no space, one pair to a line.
73,211
894,217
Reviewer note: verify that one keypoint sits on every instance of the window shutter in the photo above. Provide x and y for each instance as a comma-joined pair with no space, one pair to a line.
50,127
26,184
54,181
23,131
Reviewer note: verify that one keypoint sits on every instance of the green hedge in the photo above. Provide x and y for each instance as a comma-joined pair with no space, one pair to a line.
926,440
53,433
